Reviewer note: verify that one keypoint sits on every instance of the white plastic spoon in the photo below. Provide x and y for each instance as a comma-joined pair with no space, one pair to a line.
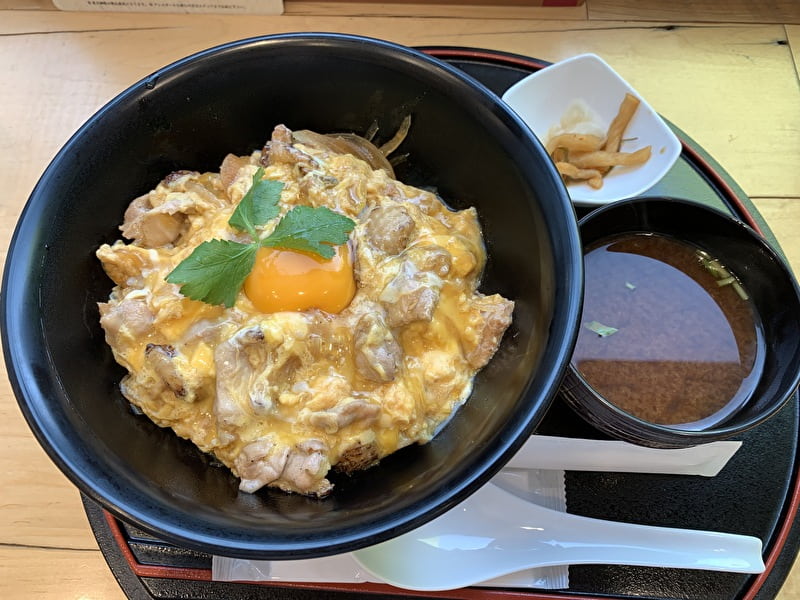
494,533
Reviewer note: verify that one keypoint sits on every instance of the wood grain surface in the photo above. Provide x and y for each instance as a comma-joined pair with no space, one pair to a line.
727,78
732,11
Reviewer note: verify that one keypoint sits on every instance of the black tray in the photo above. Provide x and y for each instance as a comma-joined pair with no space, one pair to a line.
757,493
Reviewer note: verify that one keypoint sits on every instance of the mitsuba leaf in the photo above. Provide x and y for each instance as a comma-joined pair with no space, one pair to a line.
259,204
600,329
215,271
311,229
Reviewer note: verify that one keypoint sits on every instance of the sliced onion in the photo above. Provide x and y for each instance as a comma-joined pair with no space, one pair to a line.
230,168
371,131
398,137
346,143
365,150
358,146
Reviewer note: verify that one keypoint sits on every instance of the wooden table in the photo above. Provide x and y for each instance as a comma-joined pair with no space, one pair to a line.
732,86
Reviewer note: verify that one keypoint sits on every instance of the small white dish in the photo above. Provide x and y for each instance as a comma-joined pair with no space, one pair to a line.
542,98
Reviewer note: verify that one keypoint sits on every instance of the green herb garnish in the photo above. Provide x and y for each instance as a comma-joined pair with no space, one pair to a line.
721,274
215,271
310,230
600,329
258,206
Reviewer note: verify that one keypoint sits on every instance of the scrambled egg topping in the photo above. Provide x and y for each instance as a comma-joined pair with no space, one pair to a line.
282,397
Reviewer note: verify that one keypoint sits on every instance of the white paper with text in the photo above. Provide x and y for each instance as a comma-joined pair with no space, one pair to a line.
253,7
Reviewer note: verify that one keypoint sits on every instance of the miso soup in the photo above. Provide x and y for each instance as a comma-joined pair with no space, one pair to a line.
668,334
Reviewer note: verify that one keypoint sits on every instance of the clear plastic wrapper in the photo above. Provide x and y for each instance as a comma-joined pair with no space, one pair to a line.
542,487
536,473
572,454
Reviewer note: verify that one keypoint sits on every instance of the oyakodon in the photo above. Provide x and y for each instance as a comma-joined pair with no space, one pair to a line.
380,351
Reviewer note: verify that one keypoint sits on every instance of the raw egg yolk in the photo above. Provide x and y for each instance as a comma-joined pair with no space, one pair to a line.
292,280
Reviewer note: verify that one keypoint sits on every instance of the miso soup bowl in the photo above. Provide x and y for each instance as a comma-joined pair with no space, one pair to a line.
769,283
463,141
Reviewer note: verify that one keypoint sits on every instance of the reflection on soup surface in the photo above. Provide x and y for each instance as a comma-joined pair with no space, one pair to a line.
667,333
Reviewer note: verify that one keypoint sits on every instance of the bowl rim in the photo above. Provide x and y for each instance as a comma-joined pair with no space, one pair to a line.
25,387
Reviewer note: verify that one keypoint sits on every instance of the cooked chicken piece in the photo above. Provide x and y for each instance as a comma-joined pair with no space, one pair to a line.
280,150
260,463
426,201
377,354
411,296
361,456
230,167
495,317
176,179
233,366
204,194
124,263
389,228
128,318
256,365
346,412
159,217
431,258
183,382
306,468
315,189
326,391
148,227
440,374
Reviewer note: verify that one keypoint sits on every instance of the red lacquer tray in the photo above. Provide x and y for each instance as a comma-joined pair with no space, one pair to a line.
757,493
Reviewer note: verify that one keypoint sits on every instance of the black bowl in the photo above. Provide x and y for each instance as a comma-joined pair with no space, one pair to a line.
464,142
775,299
